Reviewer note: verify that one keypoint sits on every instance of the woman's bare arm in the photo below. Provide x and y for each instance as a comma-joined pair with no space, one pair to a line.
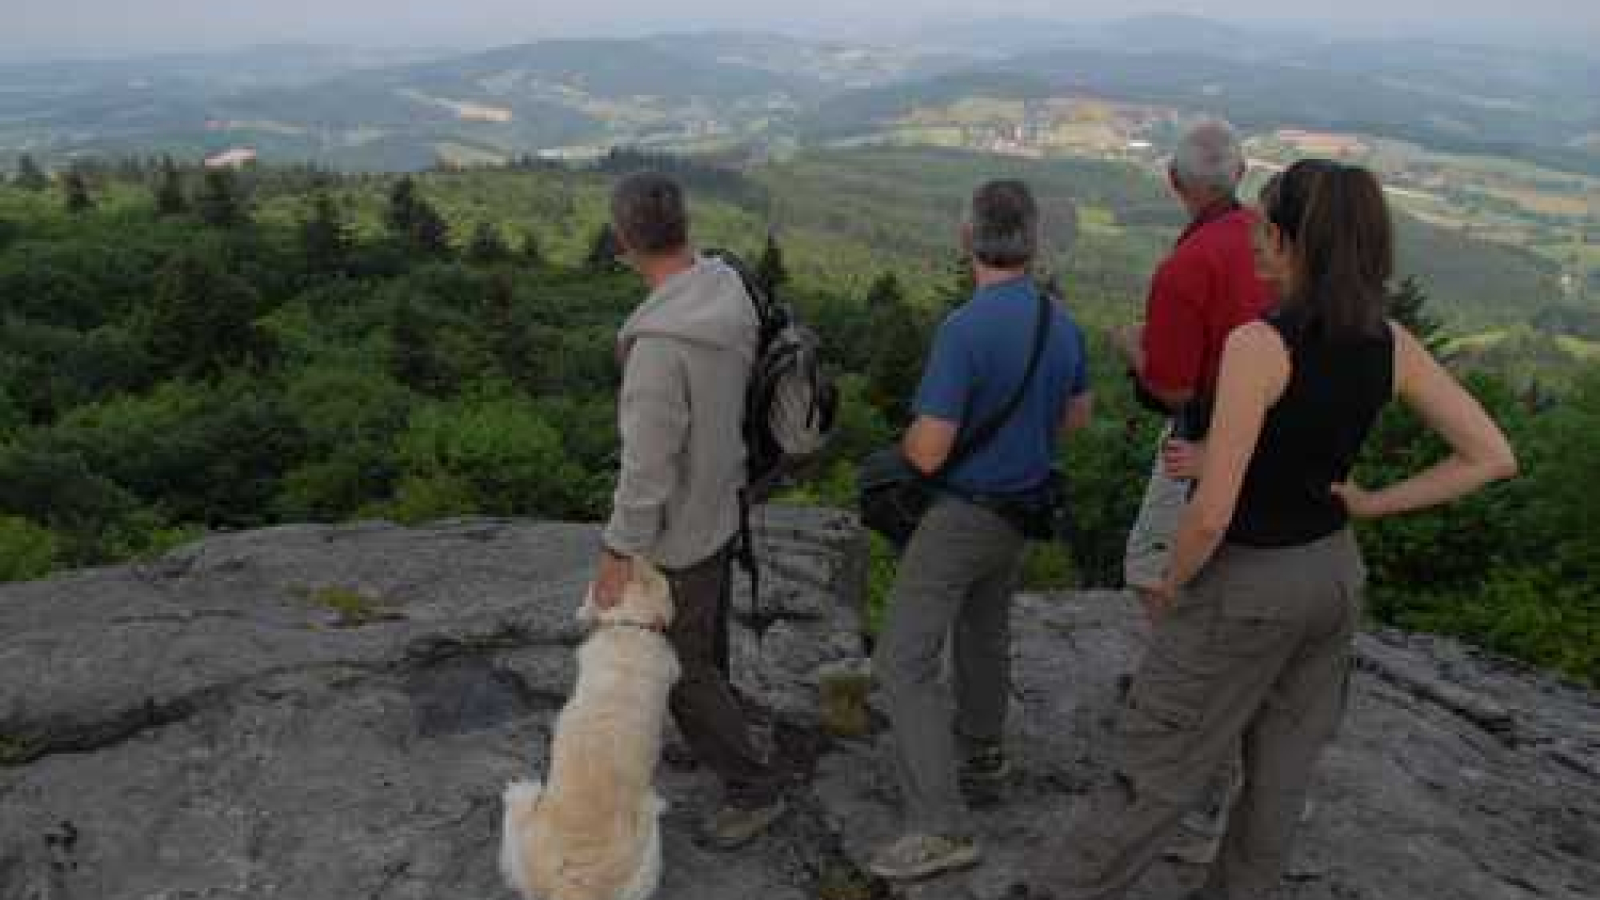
1255,372
1479,454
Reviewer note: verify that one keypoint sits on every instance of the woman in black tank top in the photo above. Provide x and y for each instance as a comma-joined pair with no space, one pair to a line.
1252,640
1337,386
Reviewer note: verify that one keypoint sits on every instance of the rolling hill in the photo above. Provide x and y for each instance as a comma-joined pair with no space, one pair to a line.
690,90
466,108
795,106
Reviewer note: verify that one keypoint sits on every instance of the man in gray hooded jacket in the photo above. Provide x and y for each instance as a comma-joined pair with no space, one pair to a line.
687,353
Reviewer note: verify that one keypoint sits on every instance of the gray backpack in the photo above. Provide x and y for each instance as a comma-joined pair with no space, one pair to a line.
792,403
790,410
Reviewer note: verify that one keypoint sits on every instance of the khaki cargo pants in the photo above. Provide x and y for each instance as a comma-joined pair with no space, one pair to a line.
1256,654
1150,540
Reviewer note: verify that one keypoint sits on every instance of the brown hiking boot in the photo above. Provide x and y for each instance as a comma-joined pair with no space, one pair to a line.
735,825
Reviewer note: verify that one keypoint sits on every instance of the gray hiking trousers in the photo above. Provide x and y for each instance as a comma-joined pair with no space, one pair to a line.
703,702
1254,655
954,586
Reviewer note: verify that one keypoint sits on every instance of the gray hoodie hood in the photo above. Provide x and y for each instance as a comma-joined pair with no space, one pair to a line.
705,304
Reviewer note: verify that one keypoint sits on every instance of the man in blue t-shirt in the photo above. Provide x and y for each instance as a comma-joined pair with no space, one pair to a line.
959,569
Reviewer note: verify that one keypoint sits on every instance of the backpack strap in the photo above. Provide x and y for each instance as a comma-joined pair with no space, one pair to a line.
770,322
760,619
766,307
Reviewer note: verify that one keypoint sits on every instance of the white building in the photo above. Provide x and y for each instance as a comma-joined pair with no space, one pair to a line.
234,158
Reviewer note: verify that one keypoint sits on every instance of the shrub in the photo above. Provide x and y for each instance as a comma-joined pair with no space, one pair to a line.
27,551
509,461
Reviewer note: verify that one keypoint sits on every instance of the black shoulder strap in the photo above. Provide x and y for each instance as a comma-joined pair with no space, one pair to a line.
771,318
984,433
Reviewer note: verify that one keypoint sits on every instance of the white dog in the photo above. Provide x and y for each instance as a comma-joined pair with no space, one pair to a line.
591,831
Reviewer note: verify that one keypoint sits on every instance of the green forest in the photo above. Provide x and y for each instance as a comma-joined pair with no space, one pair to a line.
187,350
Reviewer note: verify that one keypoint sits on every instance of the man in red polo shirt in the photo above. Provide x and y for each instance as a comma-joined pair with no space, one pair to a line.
1207,287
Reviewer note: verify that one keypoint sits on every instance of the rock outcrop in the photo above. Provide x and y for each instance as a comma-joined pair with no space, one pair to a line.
330,713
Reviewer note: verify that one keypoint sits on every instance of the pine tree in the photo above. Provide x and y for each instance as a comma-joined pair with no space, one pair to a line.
1408,306
412,359
500,302
508,338
770,273
899,335
218,202
562,207
169,196
487,247
963,282
430,234
324,240
530,253
885,291
76,189
401,216
603,252
29,176
201,319
414,223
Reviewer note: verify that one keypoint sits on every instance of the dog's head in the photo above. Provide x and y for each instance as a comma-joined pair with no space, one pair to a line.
646,600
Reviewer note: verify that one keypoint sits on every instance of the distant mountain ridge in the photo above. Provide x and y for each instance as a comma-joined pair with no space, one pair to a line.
728,88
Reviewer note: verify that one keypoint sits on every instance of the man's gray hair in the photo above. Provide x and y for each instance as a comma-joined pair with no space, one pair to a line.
1209,156
1005,225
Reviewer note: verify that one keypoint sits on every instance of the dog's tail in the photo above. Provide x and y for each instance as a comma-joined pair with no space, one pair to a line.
521,798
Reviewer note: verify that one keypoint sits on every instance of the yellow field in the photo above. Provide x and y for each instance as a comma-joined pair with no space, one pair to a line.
1578,347
971,111
930,135
462,155
1092,136
1573,206
1475,343
1097,219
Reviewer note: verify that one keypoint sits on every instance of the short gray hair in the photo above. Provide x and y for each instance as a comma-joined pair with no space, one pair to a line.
649,213
1210,156
1005,224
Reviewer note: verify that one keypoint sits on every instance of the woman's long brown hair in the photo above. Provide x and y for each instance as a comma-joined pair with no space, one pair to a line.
1343,238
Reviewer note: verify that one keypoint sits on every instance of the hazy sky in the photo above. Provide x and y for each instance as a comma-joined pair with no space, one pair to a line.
39,27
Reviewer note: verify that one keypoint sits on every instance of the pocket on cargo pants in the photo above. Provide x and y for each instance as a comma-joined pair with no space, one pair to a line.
1161,716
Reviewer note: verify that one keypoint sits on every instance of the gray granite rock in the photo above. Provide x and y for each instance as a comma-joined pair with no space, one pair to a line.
330,713
1423,797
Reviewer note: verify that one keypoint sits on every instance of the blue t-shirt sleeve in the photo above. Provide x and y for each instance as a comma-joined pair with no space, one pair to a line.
947,380
1080,366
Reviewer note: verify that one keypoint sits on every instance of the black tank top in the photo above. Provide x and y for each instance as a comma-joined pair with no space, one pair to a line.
1311,437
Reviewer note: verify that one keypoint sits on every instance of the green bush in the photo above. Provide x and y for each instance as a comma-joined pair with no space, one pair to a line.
201,319
1532,614
421,499
351,418
27,551
509,461
1047,566
206,454
158,377
145,534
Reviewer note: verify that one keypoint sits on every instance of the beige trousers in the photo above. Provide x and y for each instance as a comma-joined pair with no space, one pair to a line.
1255,655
